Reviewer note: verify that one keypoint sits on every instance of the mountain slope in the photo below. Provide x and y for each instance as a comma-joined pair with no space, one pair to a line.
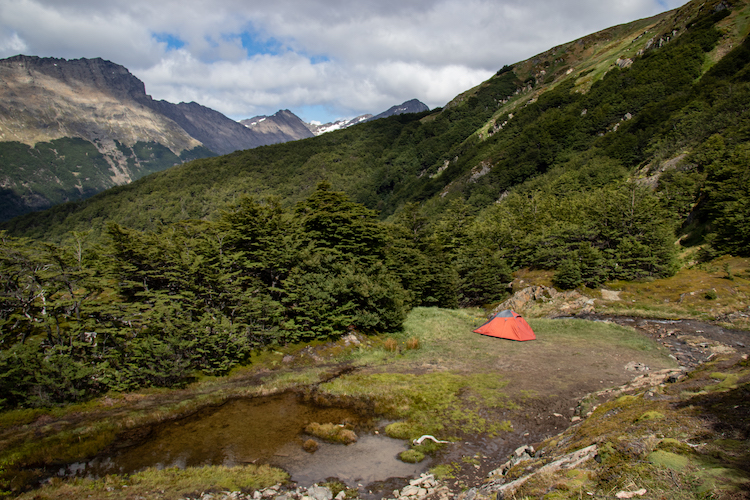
282,126
411,106
72,128
620,104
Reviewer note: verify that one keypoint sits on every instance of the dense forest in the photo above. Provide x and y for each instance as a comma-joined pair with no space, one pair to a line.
72,169
188,271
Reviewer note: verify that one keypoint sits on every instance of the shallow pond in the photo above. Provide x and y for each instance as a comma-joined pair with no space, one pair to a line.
261,430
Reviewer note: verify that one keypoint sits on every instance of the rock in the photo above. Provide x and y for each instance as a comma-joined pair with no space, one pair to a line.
624,63
569,461
424,478
631,494
610,294
341,495
551,302
413,491
636,367
350,339
319,493
524,451
468,495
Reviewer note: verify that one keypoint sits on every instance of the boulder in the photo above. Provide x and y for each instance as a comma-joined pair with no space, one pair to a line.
319,493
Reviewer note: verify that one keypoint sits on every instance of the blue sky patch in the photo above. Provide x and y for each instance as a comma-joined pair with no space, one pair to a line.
254,44
172,41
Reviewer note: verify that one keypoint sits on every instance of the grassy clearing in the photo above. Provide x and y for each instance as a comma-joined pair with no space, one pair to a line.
457,381
715,290
708,291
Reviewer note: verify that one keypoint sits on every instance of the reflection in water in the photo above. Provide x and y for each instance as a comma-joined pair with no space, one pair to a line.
260,430
371,458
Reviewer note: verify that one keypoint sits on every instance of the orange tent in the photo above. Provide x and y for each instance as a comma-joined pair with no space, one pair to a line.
507,324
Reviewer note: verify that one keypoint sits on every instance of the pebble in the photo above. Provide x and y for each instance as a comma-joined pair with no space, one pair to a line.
417,488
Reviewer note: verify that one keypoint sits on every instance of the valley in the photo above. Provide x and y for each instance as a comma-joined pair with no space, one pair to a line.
600,188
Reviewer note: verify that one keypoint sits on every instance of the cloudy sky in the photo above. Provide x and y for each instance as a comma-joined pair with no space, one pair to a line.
323,59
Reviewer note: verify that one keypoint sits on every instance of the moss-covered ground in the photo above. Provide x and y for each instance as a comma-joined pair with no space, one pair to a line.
688,439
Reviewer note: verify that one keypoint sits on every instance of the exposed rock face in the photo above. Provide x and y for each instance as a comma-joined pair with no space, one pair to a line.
49,105
547,301
42,99
282,126
218,133
412,106
337,125
95,99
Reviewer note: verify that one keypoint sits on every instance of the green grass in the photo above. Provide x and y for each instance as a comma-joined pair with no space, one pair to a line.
166,484
455,381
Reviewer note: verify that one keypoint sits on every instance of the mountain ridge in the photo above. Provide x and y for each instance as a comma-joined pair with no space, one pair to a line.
47,104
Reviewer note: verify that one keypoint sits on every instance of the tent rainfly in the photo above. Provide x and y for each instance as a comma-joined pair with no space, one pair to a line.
507,324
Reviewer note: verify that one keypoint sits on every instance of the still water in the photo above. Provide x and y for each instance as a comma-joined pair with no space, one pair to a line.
262,430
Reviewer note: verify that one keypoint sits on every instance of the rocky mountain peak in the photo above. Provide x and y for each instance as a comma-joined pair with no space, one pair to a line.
98,73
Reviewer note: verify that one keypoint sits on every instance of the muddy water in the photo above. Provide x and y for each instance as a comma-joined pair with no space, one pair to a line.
261,430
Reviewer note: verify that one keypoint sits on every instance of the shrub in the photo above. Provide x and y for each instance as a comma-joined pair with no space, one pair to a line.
390,345
413,343
568,276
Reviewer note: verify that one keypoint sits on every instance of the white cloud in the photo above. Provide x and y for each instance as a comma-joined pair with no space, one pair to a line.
343,56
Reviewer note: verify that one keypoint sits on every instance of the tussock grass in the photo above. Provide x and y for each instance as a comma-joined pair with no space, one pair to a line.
333,433
411,456
166,484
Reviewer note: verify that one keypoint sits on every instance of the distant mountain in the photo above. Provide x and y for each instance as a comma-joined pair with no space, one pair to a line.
657,102
318,129
412,106
72,128
282,126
